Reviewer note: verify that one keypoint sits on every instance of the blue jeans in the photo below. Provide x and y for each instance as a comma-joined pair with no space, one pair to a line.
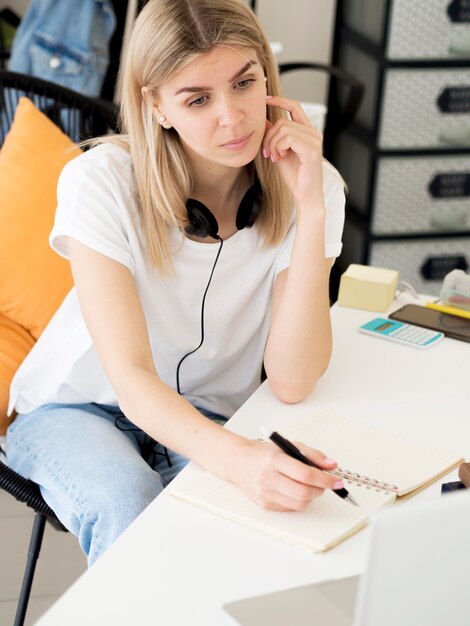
96,470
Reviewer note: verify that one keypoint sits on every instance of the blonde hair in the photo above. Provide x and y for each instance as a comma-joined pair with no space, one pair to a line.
167,35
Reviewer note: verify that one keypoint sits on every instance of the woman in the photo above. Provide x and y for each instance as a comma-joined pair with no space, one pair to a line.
201,242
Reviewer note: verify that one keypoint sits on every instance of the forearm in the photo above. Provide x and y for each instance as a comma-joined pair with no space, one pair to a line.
171,420
299,345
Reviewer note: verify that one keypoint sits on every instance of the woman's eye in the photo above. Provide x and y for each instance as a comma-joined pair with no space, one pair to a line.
199,102
243,84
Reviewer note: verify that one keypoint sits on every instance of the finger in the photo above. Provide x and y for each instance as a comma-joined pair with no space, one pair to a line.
285,136
293,107
302,146
288,126
317,457
279,501
296,491
285,128
305,474
268,125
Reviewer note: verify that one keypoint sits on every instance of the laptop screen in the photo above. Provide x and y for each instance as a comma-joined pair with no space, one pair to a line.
416,574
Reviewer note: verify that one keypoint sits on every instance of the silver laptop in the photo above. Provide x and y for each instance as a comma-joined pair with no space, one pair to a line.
417,574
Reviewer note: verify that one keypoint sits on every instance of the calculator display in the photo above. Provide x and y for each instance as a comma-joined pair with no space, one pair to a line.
384,326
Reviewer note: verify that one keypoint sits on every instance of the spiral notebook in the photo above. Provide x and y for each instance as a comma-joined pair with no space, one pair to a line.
377,467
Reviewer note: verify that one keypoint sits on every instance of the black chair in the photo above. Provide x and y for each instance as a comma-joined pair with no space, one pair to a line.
344,97
81,118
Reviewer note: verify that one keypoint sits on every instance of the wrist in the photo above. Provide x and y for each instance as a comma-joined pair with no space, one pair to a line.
235,456
311,211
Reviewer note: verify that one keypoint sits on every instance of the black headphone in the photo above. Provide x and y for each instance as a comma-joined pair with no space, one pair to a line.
202,222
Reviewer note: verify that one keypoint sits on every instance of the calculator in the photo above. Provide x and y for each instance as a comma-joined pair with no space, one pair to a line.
406,334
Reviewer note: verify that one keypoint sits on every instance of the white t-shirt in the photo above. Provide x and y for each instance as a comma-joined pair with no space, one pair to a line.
97,206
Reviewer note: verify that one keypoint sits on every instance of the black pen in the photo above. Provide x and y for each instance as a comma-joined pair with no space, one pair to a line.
289,448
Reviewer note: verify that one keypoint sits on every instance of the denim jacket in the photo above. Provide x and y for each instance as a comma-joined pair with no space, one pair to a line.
65,42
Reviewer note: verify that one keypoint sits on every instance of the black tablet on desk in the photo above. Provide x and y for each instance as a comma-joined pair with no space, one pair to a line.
451,325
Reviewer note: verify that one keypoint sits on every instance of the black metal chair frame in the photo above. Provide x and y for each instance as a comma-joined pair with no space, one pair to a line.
344,97
27,491
77,115
81,118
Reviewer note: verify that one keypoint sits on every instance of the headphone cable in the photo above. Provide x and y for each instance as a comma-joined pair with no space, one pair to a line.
148,446
178,389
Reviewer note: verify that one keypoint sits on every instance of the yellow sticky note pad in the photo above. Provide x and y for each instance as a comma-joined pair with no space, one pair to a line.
369,288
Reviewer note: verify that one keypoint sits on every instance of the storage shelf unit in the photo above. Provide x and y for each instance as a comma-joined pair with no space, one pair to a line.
406,158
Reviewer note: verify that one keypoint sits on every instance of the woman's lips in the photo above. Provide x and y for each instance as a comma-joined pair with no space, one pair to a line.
238,143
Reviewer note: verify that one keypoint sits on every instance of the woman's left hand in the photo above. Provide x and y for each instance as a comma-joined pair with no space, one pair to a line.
295,147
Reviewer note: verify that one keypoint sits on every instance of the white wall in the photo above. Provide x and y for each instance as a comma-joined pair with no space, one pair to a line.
305,28
17,6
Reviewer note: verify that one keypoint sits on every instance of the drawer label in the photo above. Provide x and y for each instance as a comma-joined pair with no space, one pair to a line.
450,185
454,100
436,267
459,11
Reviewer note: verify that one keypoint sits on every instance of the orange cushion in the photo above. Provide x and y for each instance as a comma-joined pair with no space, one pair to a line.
15,343
33,278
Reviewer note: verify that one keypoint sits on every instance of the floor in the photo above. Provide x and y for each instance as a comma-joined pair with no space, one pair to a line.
60,563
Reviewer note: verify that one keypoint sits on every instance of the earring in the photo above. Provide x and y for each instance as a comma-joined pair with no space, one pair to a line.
265,79
162,120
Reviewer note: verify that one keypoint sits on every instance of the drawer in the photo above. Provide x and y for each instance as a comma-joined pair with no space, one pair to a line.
411,194
416,29
412,108
421,195
422,263
425,108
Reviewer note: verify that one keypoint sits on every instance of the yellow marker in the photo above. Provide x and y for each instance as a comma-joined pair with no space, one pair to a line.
453,310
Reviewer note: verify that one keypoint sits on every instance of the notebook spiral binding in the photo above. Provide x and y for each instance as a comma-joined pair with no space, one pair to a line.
363,481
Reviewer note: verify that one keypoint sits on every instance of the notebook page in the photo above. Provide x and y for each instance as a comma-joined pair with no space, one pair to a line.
375,453
327,521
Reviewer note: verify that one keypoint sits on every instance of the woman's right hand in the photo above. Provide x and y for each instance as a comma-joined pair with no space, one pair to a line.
276,481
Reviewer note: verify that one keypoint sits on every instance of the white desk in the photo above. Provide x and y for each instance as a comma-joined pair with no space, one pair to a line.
176,564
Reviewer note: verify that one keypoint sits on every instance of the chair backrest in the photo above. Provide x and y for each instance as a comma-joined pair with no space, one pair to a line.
344,97
79,116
